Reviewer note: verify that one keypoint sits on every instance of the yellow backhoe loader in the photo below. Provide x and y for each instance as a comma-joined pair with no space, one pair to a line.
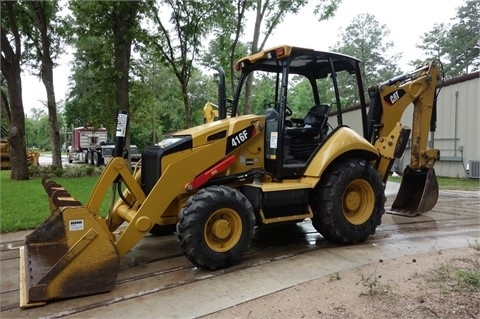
5,164
219,180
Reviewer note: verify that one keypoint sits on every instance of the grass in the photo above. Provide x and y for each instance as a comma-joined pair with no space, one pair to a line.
457,275
449,183
372,282
24,204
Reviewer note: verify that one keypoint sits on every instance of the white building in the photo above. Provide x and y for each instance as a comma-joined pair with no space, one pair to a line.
458,128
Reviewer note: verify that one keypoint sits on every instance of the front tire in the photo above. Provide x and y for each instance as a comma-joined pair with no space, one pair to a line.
215,227
349,201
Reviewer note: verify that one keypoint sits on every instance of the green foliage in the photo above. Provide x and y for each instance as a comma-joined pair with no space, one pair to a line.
456,45
91,100
476,245
101,33
450,183
35,12
325,9
217,54
37,131
458,183
372,282
300,97
263,93
457,275
24,204
178,41
366,39
335,276
469,278
68,171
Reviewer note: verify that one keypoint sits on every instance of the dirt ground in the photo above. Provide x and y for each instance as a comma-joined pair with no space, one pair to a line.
438,284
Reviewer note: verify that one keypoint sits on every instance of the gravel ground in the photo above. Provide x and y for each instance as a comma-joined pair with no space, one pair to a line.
439,284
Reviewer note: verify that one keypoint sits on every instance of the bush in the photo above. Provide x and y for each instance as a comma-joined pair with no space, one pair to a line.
67,171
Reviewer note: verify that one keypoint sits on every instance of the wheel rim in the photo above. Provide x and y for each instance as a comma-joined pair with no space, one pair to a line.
223,230
358,202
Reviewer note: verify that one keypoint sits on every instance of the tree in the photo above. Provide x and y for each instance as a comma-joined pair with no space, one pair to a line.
217,55
10,67
41,34
366,39
457,46
434,44
155,97
268,15
463,47
179,40
103,33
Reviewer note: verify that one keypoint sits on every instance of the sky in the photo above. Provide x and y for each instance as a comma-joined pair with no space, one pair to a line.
407,21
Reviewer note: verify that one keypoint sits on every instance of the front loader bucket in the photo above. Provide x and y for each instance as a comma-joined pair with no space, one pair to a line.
70,254
418,192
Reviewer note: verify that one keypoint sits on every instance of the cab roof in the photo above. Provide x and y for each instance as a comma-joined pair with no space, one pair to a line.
307,62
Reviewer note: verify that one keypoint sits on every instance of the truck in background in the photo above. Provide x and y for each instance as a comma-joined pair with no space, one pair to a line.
92,146
107,153
86,145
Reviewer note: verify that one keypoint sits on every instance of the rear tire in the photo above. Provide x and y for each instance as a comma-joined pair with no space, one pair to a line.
89,157
95,159
349,201
215,227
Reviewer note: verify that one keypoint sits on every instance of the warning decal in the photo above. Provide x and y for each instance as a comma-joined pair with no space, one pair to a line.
75,225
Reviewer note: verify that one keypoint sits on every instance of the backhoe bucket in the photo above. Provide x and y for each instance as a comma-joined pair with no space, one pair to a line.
418,192
71,254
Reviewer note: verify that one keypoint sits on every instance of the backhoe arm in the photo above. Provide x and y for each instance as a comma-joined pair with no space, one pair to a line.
389,102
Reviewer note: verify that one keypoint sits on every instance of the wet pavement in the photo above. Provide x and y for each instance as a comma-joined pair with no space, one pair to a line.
156,280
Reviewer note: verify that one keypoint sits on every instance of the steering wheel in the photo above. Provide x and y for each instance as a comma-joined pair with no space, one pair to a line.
288,111
276,106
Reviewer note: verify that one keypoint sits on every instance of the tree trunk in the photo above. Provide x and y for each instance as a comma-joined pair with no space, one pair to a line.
241,8
186,102
47,79
122,65
253,49
124,21
10,66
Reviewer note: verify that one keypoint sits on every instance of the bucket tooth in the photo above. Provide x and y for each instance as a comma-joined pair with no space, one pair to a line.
71,254
418,193
58,196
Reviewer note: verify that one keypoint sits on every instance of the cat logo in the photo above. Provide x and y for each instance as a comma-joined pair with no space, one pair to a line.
393,97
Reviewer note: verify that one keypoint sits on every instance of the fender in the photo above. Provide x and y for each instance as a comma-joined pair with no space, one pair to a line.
343,140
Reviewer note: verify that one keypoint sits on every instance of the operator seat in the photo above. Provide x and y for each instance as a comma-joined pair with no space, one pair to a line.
306,138
314,123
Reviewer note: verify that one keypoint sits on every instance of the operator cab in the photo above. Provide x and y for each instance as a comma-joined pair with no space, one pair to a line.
305,95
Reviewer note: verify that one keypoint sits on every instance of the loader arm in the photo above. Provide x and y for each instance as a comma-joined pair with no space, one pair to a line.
389,101
183,171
